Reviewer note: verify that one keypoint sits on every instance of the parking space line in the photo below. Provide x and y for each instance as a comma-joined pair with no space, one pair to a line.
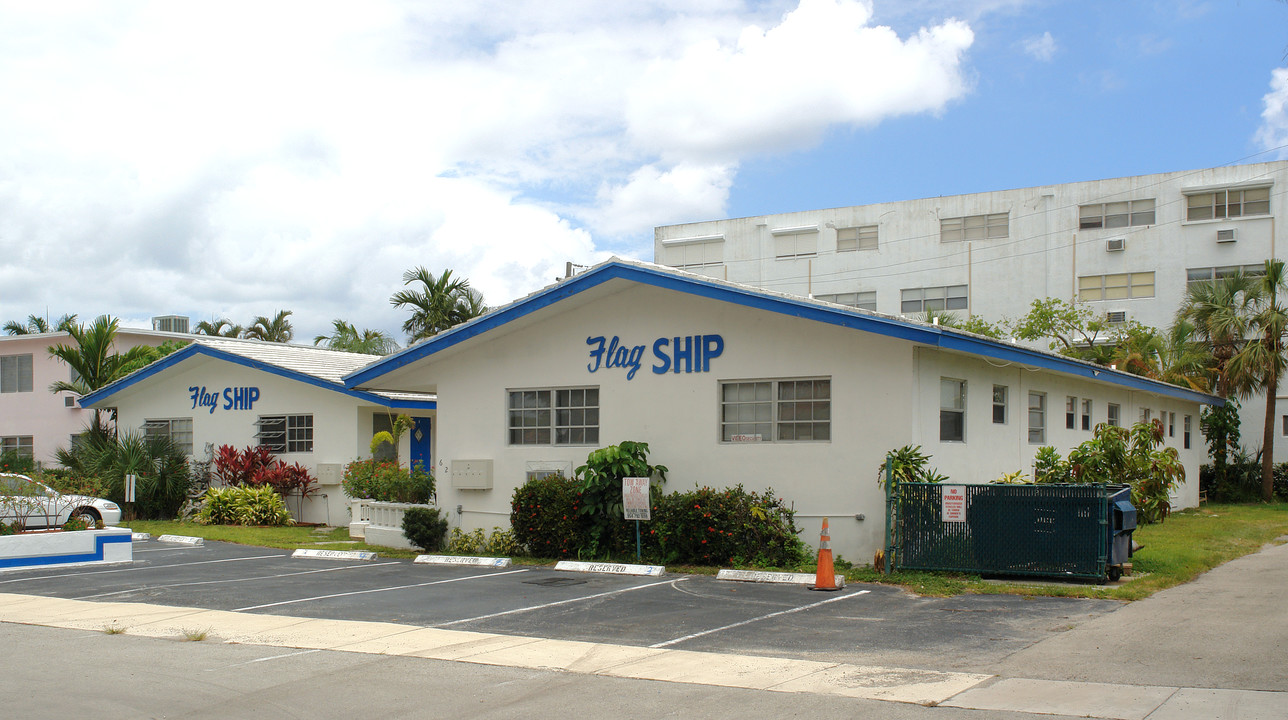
757,619
230,580
376,590
553,604
144,567
263,659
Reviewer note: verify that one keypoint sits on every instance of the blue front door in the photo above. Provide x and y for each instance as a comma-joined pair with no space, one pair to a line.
420,450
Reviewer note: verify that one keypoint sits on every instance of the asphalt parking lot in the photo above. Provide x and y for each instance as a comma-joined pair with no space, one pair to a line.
863,624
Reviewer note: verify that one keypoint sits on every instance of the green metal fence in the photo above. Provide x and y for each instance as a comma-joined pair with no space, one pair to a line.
1052,530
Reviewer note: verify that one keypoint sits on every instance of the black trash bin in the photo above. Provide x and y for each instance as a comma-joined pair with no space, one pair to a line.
1122,522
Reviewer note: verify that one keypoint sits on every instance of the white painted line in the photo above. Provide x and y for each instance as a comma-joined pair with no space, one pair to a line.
554,604
461,560
140,568
334,554
136,537
263,659
182,540
772,577
375,590
230,580
757,619
610,568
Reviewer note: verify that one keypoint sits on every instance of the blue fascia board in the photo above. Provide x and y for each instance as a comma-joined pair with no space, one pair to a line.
753,298
195,349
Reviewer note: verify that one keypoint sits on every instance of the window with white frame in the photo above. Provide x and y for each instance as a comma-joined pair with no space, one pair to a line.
1037,418
1119,286
795,244
1114,415
178,430
1194,276
952,410
15,373
1186,437
1116,214
1231,203
1146,414
21,445
1086,414
974,227
285,433
1070,412
696,255
1171,424
554,416
999,404
769,410
856,238
918,300
863,300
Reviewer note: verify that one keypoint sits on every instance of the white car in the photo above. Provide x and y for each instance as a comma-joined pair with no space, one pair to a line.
36,504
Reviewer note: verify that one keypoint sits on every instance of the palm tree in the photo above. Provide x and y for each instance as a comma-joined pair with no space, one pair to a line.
345,336
92,361
36,325
443,302
276,330
1221,312
1258,366
223,327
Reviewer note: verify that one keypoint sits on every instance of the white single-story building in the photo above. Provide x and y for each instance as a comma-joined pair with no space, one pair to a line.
219,391
732,384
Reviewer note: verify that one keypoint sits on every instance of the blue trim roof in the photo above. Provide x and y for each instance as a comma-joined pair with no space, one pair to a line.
197,349
679,281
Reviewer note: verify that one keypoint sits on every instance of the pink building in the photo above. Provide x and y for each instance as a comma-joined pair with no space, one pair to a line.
34,420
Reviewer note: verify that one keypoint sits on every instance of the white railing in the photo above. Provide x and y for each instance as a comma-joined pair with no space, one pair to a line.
383,525
359,517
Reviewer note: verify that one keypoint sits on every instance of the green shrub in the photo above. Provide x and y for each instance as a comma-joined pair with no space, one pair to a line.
717,527
11,461
246,505
465,543
501,543
388,482
546,519
424,528
76,523
162,470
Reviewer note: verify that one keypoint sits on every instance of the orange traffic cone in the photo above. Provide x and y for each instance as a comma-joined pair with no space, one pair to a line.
825,578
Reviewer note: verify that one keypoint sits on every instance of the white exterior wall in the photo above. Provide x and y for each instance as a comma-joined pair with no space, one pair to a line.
882,398
1043,256
44,415
342,425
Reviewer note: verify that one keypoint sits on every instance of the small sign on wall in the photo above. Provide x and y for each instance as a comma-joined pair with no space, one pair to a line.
635,498
952,502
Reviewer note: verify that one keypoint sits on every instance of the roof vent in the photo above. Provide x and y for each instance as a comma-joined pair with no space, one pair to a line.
1226,235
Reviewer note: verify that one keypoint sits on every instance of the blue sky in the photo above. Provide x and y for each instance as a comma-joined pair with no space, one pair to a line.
231,159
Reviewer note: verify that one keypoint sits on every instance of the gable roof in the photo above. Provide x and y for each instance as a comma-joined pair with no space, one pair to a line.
669,278
310,365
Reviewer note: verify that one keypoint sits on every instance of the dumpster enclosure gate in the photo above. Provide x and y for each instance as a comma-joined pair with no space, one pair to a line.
1052,530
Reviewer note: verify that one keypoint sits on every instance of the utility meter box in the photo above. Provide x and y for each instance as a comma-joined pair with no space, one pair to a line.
472,474
329,474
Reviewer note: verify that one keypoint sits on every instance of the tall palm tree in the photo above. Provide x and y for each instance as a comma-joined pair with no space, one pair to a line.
1258,366
278,329
443,302
92,361
223,327
1221,312
36,325
345,336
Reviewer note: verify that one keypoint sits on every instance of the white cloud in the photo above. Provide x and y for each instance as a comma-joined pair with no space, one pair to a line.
235,158
1041,47
1273,133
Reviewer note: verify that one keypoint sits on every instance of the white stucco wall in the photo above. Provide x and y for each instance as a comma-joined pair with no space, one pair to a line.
884,395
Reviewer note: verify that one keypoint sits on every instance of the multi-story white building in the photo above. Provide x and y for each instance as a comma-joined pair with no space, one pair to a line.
1127,247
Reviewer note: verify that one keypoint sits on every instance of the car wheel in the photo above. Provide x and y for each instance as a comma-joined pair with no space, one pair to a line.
89,515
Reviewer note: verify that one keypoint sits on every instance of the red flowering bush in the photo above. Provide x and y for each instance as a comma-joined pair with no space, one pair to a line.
546,517
710,526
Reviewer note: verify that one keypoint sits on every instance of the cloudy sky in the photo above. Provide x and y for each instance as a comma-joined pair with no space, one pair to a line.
232,159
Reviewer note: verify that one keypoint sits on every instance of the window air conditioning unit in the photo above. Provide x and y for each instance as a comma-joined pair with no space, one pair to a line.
1227,235
69,401
1116,317
1115,244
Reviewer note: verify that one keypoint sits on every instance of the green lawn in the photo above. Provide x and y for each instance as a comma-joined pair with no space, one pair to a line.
1186,545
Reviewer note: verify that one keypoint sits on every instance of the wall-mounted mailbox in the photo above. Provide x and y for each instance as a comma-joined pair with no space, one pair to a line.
472,474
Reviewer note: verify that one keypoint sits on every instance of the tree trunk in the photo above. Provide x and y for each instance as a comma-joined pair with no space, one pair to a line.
1268,440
